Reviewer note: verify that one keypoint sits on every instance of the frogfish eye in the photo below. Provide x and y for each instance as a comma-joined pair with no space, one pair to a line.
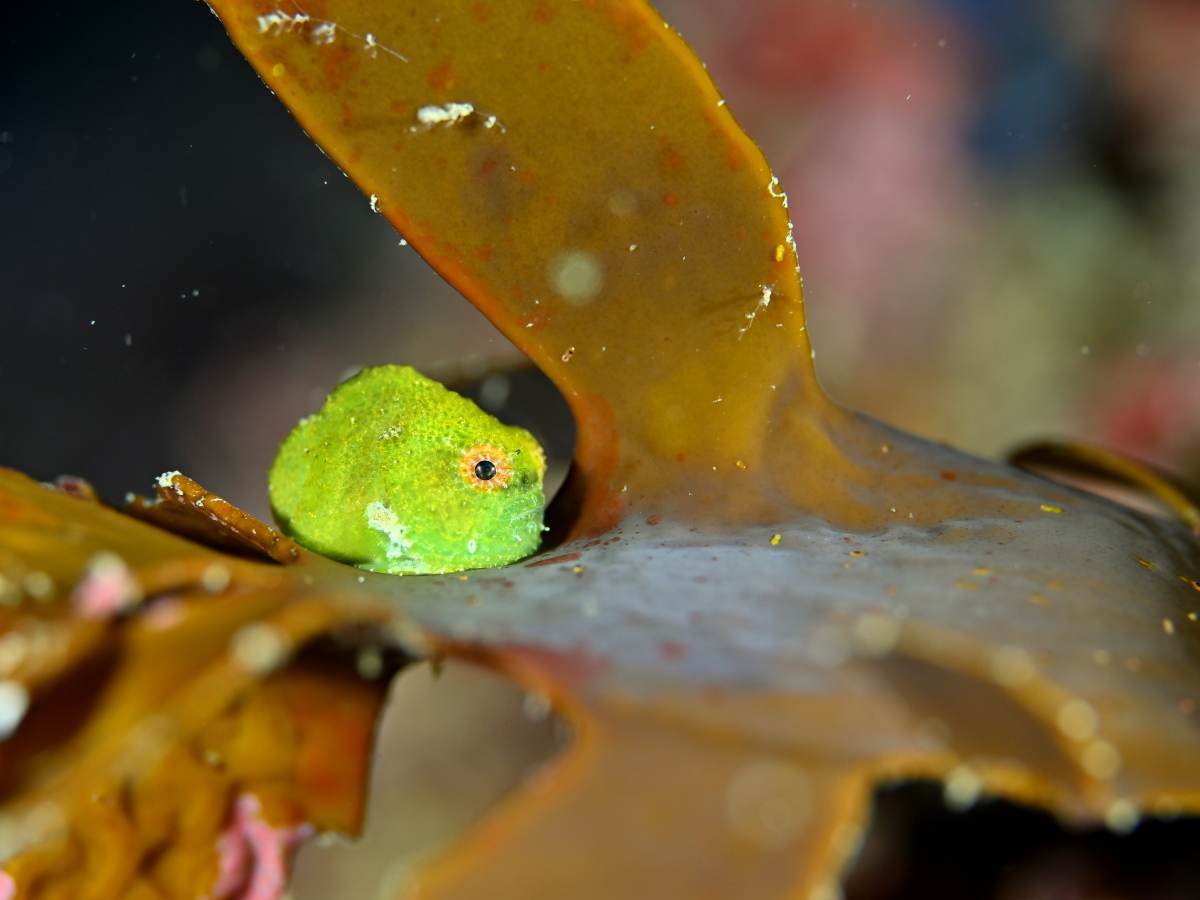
486,467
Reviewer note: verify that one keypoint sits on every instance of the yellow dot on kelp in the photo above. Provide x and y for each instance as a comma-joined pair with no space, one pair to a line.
962,789
278,70
768,802
775,539
1012,666
1145,563
1121,817
1168,626
779,251
1050,508
1077,719
1101,760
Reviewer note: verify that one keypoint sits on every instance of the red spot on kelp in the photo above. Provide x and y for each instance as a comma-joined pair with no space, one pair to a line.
441,77
336,63
672,158
400,107
653,520
671,650
481,11
680,456
543,11
484,253
568,668
488,166
554,560
949,476
670,198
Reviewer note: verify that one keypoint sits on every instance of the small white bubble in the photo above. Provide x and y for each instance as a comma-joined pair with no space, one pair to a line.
259,648
14,701
962,789
577,276
768,803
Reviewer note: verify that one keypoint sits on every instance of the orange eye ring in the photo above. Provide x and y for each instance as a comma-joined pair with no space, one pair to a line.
486,467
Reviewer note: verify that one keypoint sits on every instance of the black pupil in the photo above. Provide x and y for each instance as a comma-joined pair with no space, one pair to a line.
485,470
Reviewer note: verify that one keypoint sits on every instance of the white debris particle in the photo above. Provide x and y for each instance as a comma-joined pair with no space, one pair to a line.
827,646
215,578
278,22
369,663
536,706
14,650
381,518
577,276
167,479
259,648
392,431
370,45
764,301
1101,760
447,114
962,789
1121,817
1077,719
768,803
776,192
323,33
472,545
876,634
14,701
374,203
1012,666
38,585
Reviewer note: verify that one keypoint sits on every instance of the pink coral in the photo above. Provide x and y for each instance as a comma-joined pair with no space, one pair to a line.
253,855
107,588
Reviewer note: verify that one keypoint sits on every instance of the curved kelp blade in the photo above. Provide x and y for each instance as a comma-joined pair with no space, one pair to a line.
169,711
571,169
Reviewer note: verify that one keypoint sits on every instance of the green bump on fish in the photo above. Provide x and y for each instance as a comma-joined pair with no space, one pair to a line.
398,474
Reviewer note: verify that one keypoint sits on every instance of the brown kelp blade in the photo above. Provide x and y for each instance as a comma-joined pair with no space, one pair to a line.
571,169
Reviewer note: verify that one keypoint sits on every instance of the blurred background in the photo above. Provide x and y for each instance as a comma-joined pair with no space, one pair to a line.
997,199
997,207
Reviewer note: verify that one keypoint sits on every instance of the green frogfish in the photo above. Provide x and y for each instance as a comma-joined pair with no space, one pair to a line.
398,474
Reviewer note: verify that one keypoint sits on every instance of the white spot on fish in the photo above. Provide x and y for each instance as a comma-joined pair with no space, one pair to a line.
381,518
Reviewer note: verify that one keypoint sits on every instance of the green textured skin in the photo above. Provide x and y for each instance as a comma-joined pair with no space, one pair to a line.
376,479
